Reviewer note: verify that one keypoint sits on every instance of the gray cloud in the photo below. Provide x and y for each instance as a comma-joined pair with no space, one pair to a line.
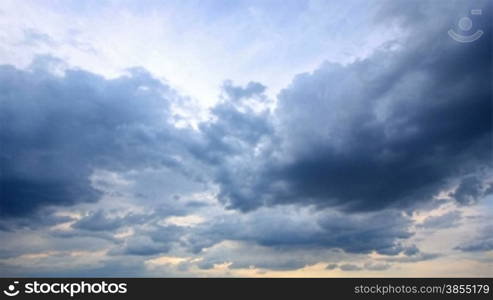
482,242
377,266
142,246
471,190
33,37
237,93
416,257
447,220
57,130
350,267
63,265
285,229
41,219
236,128
99,221
244,255
353,267
391,130
348,148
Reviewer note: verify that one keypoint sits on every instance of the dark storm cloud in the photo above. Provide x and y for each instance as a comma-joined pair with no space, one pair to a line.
470,190
40,219
391,130
55,130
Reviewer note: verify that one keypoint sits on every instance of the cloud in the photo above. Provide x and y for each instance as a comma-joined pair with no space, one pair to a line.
76,264
350,267
471,190
248,255
447,220
370,266
282,238
237,126
482,242
100,221
47,218
330,174
415,257
56,130
391,130
33,37
296,228
377,266
141,245
237,93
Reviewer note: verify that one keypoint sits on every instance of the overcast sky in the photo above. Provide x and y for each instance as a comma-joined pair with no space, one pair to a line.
246,138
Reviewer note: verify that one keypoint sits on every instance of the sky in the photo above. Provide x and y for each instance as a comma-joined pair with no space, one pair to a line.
246,138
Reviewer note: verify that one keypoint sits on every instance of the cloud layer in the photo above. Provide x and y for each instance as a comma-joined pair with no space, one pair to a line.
391,130
343,170
56,130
